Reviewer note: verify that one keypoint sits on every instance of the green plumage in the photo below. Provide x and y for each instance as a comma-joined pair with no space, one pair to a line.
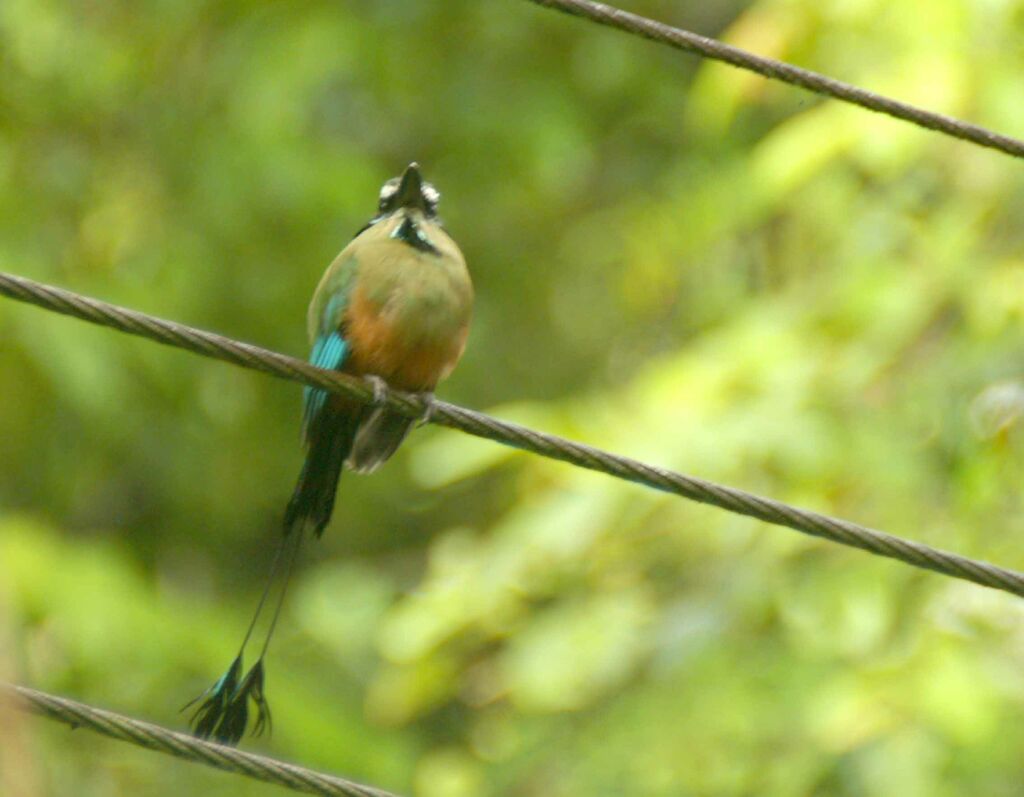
395,304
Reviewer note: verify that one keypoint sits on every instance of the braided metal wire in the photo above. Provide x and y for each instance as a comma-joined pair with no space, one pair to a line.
779,70
480,425
153,737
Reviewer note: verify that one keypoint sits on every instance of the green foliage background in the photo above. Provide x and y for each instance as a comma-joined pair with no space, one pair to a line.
674,260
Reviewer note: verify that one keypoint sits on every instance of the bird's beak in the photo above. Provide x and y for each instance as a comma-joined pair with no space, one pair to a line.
410,189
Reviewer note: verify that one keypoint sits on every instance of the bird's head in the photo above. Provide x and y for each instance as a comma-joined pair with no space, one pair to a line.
408,192
408,208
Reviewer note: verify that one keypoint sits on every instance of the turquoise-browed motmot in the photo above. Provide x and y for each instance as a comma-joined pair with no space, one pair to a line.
394,306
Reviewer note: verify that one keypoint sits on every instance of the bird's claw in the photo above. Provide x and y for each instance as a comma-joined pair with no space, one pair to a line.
428,408
380,390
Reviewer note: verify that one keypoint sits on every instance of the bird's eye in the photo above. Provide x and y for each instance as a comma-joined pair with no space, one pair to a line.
387,196
431,196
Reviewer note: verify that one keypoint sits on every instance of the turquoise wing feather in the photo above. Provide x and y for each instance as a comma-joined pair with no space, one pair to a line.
329,351
326,328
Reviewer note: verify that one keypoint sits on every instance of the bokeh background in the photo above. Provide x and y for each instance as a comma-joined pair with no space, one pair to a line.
674,260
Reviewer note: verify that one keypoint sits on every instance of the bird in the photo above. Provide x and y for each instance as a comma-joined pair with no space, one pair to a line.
393,307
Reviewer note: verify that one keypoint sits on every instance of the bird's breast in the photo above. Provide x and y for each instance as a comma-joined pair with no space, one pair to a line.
408,317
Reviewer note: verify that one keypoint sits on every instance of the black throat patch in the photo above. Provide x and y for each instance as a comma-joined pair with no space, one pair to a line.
409,232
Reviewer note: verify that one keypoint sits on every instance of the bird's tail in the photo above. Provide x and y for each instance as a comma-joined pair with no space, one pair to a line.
378,438
329,436
330,431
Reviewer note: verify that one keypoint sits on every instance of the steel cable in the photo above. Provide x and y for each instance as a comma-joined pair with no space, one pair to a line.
481,425
787,73
180,745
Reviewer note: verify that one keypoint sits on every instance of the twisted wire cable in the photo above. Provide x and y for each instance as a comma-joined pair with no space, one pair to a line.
779,70
475,423
153,737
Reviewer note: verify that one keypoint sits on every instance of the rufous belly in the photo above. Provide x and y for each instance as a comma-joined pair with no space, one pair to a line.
406,356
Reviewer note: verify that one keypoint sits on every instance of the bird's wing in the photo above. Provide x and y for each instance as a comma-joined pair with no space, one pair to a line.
327,328
329,352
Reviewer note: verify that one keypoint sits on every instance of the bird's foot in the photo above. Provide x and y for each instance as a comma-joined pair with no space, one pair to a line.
380,390
427,397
